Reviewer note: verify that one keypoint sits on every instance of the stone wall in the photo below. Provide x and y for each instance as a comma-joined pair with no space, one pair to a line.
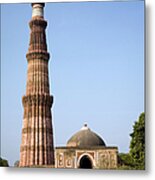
100,157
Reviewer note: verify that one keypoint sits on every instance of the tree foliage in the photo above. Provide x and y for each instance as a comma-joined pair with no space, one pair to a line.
125,160
137,144
135,159
3,162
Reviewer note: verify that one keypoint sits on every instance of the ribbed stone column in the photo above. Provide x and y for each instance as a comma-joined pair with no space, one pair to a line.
37,133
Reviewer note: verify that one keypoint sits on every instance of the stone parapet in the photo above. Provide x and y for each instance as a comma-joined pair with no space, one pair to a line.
38,54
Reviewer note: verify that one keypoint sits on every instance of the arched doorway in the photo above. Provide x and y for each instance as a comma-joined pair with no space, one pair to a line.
85,163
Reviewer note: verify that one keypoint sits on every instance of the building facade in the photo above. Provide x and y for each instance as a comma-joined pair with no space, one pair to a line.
86,150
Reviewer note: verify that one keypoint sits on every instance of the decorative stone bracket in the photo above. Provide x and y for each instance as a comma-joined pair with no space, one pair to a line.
41,55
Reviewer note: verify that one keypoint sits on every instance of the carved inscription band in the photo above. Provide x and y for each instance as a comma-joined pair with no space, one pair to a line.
37,99
44,56
30,130
32,148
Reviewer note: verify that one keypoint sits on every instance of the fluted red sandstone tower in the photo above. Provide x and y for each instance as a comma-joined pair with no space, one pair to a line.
37,133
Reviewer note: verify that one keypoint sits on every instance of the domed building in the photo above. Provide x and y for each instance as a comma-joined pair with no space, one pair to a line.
86,149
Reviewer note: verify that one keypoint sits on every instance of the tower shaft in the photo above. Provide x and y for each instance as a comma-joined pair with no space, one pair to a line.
37,132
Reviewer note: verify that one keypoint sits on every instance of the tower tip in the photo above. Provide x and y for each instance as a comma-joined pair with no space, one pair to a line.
38,9
42,4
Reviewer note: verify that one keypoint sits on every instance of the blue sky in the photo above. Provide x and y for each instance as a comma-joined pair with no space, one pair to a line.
96,70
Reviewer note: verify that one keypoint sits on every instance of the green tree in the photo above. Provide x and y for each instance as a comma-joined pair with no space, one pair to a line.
137,144
4,162
125,159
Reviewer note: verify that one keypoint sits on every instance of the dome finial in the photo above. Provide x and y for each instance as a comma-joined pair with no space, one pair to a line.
85,127
85,124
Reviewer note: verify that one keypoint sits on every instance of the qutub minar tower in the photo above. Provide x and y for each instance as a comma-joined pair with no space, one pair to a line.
37,134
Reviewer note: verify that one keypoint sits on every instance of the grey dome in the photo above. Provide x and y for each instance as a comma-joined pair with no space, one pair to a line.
84,138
